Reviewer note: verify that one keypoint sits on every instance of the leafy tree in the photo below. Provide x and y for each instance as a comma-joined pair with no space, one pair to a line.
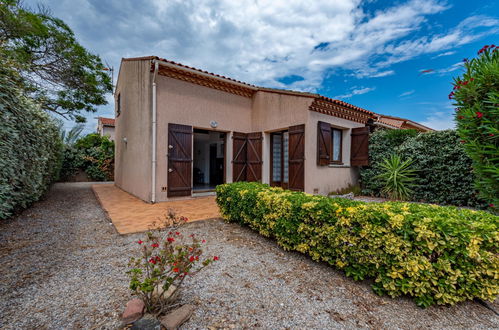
476,95
59,73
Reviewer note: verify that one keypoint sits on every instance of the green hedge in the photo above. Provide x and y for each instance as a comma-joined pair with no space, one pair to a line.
435,254
444,171
30,148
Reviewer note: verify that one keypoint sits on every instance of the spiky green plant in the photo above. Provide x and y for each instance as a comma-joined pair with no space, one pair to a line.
398,177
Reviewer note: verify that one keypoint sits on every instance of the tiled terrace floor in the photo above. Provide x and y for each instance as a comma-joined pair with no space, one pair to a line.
131,215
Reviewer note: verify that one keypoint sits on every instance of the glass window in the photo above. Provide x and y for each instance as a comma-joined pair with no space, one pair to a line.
285,145
336,145
276,157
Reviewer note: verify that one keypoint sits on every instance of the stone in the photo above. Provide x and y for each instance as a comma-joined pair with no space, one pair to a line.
133,311
177,317
148,322
170,294
346,196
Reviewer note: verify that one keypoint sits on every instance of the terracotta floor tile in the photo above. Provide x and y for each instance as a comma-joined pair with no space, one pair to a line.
131,215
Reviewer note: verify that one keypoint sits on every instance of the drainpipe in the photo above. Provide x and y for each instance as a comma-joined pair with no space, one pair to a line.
153,160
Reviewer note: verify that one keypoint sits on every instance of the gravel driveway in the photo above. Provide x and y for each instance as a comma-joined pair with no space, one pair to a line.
63,266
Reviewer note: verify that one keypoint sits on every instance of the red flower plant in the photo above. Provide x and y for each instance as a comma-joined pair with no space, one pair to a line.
140,242
191,259
479,114
215,258
175,270
170,239
155,245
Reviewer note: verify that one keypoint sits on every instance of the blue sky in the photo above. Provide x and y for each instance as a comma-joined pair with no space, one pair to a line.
368,53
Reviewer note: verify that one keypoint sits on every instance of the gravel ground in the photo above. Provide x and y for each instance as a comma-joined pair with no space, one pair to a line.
63,266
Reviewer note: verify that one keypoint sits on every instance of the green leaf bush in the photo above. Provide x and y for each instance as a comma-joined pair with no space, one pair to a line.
435,254
92,153
444,172
30,147
476,95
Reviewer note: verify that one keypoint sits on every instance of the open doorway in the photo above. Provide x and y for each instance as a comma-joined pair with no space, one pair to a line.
208,168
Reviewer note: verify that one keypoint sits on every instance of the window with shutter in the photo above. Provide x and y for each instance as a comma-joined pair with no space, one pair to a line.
359,154
323,143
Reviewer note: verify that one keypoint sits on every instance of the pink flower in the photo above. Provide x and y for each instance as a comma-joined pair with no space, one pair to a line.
479,114
203,241
140,242
491,205
215,258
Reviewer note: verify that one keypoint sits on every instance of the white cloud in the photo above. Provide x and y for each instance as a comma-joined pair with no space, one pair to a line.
408,93
355,91
260,41
439,117
444,54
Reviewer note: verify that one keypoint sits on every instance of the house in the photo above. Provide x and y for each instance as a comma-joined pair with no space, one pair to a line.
105,126
181,131
392,122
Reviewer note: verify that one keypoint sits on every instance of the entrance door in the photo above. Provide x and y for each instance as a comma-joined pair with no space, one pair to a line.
179,160
279,165
208,160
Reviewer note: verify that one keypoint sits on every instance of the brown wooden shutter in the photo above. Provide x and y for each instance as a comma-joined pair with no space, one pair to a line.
297,157
323,143
254,157
179,160
239,156
359,155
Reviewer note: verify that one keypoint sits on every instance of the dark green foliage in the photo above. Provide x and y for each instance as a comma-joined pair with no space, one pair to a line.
476,94
443,170
59,73
30,147
434,254
92,153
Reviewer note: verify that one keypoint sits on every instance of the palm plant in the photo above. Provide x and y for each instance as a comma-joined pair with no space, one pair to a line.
398,177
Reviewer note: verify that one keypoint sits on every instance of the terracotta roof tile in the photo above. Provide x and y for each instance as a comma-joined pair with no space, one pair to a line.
106,121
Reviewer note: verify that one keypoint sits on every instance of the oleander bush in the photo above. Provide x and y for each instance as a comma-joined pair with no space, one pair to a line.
476,95
30,147
434,254
444,172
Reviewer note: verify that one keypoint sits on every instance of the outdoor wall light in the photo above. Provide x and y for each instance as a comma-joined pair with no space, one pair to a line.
125,140
213,124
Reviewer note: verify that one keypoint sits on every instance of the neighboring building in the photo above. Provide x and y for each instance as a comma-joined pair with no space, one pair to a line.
392,122
105,126
181,131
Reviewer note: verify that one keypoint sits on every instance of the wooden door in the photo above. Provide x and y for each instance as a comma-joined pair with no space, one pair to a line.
359,153
254,157
239,156
297,157
179,160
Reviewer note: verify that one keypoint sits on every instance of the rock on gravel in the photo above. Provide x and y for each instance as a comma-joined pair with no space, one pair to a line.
133,311
63,267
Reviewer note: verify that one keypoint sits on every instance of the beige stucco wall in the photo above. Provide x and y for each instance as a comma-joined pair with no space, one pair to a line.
325,179
276,112
108,131
185,103
133,158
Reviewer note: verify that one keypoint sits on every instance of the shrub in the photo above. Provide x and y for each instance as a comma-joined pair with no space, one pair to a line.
435,254
398,177
92,153
30,147
164,263
476,95
444,173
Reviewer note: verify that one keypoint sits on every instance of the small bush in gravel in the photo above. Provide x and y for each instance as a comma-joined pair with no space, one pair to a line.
435,254
164,263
